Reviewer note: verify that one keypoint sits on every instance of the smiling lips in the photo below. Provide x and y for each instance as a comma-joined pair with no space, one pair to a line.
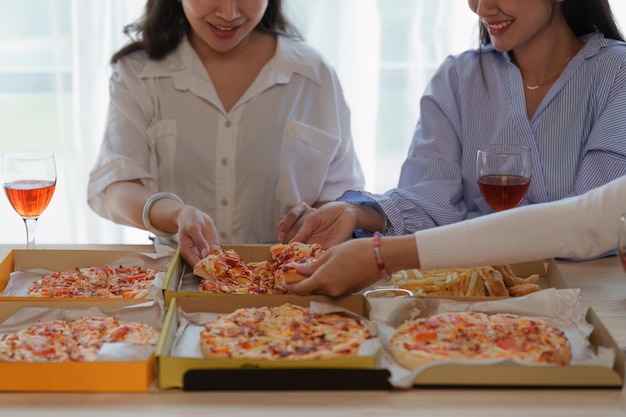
222,28
223,32
496,28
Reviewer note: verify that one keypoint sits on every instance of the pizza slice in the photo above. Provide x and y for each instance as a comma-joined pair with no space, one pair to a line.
90,333
225,272
46,341
287,256
222,263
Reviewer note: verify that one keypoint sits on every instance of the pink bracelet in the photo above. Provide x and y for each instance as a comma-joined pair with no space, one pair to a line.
379,258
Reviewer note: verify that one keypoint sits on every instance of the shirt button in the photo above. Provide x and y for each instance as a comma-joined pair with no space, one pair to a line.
228,123
224,162
224,202
223,235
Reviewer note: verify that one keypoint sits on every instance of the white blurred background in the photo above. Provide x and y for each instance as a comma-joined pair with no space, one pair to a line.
54,73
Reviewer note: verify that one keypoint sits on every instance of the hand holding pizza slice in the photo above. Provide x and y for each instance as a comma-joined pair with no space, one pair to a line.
225,271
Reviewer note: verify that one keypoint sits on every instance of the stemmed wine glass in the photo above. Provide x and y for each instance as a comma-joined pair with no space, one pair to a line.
504,172
29,180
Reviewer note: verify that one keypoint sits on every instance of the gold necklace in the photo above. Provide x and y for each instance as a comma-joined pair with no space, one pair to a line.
535,87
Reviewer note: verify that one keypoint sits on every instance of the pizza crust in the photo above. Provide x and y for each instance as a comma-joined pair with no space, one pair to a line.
412,360
288,273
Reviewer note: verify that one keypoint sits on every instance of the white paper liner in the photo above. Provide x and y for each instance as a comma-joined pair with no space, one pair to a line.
20,281
148,313
559,308
187,338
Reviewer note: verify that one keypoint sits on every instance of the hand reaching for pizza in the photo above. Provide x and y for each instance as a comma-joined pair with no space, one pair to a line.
225,271
291,222
330,225
197,234
340,270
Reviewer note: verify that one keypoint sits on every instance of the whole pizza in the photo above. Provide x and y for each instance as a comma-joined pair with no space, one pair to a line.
96,282
463,335
77,340
285,332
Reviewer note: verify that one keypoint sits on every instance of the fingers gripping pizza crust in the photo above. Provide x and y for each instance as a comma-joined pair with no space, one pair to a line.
286,332
462,336
286,257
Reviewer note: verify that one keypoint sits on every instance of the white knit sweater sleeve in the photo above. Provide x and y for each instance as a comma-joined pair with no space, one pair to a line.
581,226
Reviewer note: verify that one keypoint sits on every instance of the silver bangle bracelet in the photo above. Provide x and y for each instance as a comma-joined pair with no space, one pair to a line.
145,214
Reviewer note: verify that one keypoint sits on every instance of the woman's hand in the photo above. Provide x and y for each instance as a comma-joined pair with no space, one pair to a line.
291,222
341,270
197,235
330,225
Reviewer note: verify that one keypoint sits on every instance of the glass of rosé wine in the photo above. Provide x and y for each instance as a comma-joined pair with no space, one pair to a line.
504,172
622,240
29,180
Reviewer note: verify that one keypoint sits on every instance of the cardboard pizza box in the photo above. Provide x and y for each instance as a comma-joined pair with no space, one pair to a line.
197,373
66,259
512,376
106,376
181,283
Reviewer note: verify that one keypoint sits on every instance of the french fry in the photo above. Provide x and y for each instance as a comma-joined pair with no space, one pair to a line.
462,282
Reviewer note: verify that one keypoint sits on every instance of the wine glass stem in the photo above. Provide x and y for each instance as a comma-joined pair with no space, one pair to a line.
30,232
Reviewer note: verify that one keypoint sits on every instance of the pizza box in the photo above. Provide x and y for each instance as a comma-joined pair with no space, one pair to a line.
66,259
196,373
514,376
105,376
181,283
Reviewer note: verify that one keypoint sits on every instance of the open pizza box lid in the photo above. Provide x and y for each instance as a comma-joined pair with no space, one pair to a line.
40,261
136,375
198,373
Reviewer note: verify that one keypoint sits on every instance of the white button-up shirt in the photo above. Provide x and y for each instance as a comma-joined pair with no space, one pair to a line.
287,139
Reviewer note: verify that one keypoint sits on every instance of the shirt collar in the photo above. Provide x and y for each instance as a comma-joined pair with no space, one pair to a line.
292,56
594,42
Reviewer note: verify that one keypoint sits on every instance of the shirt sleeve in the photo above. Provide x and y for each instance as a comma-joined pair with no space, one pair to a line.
345,172
125,152
430,189
582,226
604,154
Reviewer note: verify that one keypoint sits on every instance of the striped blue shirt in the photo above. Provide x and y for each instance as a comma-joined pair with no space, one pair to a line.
577,134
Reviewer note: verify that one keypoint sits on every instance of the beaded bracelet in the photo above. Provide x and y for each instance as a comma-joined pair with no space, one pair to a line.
379,258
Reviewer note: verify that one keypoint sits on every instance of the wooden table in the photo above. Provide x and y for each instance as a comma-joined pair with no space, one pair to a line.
603,284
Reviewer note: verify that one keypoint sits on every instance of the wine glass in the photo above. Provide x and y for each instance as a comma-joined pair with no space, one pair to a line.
504,172
29,180
622,240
